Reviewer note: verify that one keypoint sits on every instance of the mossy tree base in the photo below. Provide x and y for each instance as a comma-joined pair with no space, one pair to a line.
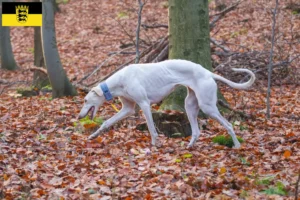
171,125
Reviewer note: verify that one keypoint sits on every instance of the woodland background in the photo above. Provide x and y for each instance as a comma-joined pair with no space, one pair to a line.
44,153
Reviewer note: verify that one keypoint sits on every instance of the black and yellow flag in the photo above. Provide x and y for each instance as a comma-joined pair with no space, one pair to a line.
22,14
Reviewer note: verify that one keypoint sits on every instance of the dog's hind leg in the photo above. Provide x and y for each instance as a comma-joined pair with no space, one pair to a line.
192,110
127,109
208,104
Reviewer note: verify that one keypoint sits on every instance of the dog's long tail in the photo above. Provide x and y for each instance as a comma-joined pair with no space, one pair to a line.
237,85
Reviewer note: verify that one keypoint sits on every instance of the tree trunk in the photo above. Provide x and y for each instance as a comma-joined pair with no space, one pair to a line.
189,40
7,57
60,83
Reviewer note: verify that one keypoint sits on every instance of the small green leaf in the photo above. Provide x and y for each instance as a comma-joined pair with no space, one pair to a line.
178,160
122,14
91,191
187,155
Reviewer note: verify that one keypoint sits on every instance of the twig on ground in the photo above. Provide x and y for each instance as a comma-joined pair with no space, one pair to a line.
225,105
275,65
40,69
146,26
219,15
215,42
8,84
271,60
124,53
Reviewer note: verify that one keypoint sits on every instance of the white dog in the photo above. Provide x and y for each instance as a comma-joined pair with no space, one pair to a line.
145,84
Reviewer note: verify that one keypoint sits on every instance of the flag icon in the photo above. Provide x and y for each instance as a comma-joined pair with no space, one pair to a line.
22,14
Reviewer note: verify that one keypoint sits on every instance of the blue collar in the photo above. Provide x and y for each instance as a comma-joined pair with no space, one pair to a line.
106,91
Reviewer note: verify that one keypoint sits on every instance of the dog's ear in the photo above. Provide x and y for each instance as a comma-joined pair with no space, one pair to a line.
98,91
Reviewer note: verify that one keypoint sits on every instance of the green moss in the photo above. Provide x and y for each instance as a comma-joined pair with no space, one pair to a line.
225,140
28,91
47,87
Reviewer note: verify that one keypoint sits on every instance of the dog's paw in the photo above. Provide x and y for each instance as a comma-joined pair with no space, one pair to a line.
237,146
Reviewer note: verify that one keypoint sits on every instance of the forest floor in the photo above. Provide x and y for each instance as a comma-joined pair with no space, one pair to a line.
43,156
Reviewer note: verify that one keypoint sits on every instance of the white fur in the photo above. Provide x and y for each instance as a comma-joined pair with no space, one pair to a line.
144,84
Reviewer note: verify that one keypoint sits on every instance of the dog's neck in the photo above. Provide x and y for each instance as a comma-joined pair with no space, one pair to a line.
113,84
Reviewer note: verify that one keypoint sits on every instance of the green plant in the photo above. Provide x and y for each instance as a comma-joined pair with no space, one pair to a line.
225,140
62,1
122,15
244,194
31,50
86,122
244,161
265,181
279,189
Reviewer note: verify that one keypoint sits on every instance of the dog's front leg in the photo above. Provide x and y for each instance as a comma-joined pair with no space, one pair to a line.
127,109
148,115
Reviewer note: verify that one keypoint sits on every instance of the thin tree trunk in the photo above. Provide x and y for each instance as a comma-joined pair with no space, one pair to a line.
7,57
60,83
271,60
39,79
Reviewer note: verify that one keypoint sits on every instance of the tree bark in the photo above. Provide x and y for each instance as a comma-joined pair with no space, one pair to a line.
60,83
189,40
7,57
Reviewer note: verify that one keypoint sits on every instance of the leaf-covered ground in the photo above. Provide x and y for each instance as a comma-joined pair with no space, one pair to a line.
44,156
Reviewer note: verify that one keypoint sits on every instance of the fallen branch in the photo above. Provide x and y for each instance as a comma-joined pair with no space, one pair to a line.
162,55
225,105
153,54
2,81
124,53
146,26
221,14
8,84
215,42
40,69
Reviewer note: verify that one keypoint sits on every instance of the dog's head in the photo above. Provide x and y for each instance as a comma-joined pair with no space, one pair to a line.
92,101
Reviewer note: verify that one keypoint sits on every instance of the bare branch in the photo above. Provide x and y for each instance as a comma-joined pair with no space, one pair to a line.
271,60
146,26
98,67
141,5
